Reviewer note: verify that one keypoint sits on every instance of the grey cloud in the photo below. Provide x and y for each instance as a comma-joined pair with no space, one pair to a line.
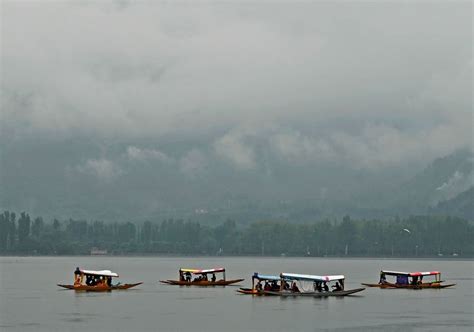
233,148
103,169
387,82
138,154
193,163
297,147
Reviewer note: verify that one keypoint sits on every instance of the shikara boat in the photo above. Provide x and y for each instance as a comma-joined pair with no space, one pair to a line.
257,288
410,280
96,281
318,286
201,278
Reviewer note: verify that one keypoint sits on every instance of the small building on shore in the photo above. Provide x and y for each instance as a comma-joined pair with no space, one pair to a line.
98,252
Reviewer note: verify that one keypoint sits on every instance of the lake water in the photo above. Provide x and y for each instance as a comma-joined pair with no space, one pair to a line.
31,301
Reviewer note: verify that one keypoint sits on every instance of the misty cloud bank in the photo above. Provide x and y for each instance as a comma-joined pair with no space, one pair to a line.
251,87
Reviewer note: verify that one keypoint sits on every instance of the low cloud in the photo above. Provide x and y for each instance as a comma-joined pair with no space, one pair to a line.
103,169
379,86
137,154
370,146
456,184
193,163
296,147
233,148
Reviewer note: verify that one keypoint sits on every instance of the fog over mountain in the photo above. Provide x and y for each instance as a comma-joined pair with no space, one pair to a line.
122,109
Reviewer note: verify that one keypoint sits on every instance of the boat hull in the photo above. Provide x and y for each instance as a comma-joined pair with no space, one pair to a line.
85,288
250,291
315,294
434,285
201,283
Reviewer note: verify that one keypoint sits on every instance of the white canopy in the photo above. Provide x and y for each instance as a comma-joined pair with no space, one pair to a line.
106,273
295,276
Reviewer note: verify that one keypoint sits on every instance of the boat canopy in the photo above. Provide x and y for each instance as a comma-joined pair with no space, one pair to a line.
410,274
105,273
309,277
265,277
204,271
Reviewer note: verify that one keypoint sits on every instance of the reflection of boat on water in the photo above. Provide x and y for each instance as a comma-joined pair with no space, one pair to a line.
409,280
318,287
201,278
257,288
96,281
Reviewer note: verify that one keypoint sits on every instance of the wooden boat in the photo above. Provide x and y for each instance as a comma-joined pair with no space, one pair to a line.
257,288
409,280
201,278
96,281
99,288
318,286
316,294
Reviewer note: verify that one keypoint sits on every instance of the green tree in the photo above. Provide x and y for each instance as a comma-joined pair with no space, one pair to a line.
37,228
56,225
3,231
24,223
11,217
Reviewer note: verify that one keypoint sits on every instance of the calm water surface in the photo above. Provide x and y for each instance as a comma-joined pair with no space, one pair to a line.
31,301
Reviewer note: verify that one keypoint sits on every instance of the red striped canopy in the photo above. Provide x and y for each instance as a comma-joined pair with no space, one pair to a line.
203,271
410,274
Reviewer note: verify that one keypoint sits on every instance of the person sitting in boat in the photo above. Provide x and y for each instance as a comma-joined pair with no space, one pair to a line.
341,282
318,286
267,286
325,287
286,285
414,281
77,280
383,279
259,286
77,276
109,281
294,288
275,286
337,287
213,279
188,276
204,277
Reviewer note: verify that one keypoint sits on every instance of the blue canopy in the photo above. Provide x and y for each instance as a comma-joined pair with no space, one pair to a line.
265,277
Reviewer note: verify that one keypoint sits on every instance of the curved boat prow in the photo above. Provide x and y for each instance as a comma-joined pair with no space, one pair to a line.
66,286
127,286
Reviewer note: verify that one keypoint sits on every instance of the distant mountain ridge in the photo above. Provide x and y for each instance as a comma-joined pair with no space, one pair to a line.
460,206
442,180
149,185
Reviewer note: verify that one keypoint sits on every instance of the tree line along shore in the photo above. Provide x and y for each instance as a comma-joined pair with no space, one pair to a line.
415,236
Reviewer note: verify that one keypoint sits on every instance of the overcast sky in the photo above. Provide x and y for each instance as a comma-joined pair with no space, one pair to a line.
373,83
